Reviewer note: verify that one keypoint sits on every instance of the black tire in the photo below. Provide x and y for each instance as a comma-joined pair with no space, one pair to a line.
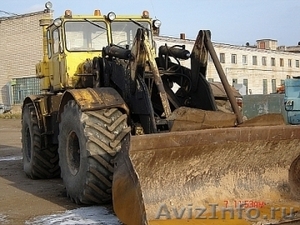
37,163
88,142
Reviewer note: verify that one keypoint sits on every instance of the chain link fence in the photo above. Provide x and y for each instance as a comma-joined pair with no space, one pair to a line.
15,91
22,87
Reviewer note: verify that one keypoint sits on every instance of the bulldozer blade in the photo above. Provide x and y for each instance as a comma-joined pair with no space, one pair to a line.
227,175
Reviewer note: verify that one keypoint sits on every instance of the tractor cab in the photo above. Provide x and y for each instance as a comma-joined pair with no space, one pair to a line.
92,32
72,41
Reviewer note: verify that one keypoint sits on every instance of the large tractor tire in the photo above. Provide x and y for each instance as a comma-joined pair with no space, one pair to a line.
88,142
38,163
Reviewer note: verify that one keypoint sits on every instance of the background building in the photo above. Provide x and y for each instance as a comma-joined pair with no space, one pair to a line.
259,68
20,49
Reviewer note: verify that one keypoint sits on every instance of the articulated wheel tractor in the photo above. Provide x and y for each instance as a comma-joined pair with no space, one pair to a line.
90,102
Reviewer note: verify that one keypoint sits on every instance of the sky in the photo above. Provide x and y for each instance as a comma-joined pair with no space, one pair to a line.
230,21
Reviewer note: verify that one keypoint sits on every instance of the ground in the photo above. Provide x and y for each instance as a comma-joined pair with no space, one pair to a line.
26,201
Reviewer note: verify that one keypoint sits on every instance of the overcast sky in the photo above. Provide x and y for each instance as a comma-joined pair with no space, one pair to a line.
230,21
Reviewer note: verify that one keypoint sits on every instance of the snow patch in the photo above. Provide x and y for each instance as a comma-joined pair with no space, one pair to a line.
3,219
85,215
10,158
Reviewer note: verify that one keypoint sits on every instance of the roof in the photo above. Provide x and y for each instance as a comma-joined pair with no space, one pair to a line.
22,15
266,39
222,45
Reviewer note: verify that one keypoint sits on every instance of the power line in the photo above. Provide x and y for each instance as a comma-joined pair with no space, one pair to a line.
9,13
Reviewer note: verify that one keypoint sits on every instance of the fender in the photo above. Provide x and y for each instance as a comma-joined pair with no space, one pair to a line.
93,99
32,99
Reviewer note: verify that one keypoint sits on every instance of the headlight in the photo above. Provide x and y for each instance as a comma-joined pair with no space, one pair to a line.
57,22
156,23
111,16
48,5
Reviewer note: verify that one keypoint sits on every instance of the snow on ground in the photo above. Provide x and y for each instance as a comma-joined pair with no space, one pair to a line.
94,215
10,158
3,219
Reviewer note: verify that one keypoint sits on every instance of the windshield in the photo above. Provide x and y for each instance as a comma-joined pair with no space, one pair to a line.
123,32
85,36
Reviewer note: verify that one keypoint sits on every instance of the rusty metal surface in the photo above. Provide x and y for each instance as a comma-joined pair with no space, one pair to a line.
94,98
199,59
198,168
271,119
221,73
156,76
187,119
200,90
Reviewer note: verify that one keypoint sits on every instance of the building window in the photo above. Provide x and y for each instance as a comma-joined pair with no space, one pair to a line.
245,82
290,63
264,60
254,60
273,85
210,79
234,81
297,63
281,62
222,57
265,86
282,82
273,61
233,58
244,59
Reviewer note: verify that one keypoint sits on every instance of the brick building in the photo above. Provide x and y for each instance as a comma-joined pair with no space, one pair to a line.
260,68
20,49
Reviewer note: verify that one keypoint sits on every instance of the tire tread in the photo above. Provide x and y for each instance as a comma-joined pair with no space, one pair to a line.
44,162
104,131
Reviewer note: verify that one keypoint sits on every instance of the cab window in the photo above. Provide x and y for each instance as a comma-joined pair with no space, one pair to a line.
49,44
85,36
123,32
56,41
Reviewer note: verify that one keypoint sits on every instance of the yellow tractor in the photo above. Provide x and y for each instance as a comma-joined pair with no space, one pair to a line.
112,125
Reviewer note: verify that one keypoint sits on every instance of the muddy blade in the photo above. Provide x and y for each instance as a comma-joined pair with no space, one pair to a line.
161,172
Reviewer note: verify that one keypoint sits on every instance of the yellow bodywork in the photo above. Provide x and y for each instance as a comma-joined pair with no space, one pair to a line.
61,70
72,66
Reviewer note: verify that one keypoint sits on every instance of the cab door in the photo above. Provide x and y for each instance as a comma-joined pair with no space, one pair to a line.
58,60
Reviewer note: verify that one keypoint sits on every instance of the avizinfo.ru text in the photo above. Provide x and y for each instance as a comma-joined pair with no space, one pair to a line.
251,210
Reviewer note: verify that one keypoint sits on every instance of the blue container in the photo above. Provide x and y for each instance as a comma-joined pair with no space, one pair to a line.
292,100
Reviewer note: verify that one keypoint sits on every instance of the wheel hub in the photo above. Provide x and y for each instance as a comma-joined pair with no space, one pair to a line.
73,153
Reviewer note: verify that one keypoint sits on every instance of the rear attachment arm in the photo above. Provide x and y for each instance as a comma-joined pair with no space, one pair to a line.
213,54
